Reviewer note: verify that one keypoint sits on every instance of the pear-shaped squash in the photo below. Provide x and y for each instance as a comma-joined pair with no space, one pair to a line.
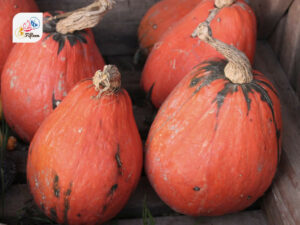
215,143
86,158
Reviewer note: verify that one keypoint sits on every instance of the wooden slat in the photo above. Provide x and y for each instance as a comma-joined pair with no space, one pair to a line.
266,61
286,43
268,13
243,218
283,200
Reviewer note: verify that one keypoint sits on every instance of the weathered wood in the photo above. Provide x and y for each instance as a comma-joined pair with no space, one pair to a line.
243,218
286,43
276,38
266,61
282,202
268,13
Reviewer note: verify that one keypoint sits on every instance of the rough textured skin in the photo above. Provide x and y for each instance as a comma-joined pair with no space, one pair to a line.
7,11
86,158
214,146
177,52
36,77
159,18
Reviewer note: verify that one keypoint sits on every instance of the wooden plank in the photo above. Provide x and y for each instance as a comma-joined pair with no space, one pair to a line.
243,218
286,42
268,14
283,200
266,61
276,38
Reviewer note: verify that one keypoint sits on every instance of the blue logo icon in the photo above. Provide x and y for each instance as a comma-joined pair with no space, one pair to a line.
35,22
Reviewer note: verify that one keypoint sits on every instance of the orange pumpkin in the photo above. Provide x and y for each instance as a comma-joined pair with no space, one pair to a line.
37,76
8,9
159,18
86,158
177,52
215,143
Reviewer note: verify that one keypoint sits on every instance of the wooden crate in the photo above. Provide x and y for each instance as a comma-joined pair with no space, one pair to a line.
276,56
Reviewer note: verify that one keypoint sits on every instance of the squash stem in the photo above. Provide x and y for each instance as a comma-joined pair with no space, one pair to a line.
107,81
238,69
86,17
223,3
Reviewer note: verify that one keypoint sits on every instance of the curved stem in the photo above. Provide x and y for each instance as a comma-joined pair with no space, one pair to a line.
238,69
107,81
219,4
86,17
223,3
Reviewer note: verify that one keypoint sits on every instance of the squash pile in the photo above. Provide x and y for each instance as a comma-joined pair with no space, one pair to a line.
213,147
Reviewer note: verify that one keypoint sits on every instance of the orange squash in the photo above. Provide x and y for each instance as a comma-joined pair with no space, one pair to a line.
215,143
8,9
159,18
37,76
178,52
86,158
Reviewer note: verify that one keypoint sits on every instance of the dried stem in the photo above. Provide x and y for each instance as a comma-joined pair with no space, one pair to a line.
86,17
107,81
219,4
238,69
223,3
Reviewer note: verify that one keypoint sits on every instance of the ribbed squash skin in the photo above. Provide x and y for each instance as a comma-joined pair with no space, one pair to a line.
36,76
8,9
214,146
86,158
160,17
177,52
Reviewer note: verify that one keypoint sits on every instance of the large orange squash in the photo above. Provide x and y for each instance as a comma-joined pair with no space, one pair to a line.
37,76
159,18
86,158
178,52
215,143
8,9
